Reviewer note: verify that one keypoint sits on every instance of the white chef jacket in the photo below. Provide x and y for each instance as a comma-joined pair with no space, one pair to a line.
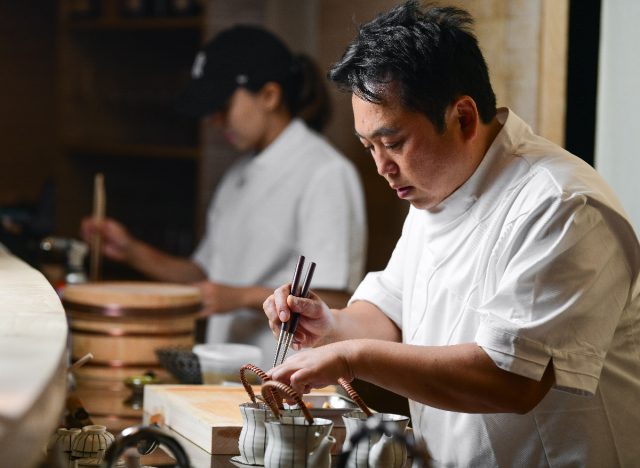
299,196
534,260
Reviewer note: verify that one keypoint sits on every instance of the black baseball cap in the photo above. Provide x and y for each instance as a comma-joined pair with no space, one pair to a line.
247,56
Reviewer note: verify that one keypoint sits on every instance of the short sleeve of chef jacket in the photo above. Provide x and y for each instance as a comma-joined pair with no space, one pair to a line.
562,284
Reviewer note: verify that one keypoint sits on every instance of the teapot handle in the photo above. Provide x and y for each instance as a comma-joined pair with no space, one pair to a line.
354,396
275,387
263,377
134,436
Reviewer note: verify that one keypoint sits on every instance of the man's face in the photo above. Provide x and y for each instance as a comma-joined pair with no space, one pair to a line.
422,165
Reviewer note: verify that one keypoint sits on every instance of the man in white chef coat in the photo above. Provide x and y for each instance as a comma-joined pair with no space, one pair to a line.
509,311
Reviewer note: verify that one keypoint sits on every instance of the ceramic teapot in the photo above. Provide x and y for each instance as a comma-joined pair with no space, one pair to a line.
296,441
377,448
380,448
253,436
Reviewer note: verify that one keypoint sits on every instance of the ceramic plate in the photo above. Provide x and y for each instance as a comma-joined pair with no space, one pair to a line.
239,461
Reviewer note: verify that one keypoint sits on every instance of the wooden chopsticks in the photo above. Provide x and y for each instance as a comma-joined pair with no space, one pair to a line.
99,203
288,329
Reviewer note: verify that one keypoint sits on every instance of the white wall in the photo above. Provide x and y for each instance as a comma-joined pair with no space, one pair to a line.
617,152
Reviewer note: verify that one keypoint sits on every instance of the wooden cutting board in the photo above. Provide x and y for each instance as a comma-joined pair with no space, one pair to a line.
207,415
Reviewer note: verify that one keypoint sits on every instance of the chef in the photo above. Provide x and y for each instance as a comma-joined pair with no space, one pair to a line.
509,311
255,91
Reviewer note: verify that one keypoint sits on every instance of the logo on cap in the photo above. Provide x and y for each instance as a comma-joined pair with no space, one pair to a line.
197,69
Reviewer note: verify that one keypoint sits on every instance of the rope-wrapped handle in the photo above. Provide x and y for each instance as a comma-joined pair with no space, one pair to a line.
275,387
256,370
354,396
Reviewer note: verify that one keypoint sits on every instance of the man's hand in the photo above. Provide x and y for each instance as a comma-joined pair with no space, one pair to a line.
317,368
316,321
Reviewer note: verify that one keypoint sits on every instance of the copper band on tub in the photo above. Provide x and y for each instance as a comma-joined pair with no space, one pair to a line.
117,332
121,364
114,310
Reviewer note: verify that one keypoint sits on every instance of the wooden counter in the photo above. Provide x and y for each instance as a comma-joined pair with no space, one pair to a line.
33,338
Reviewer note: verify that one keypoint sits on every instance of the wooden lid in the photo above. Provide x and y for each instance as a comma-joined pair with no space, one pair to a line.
132,294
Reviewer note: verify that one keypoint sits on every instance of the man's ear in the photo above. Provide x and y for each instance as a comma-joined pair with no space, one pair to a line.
466,114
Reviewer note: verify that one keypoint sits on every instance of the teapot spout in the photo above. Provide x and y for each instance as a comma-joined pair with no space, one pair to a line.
388,451
321,456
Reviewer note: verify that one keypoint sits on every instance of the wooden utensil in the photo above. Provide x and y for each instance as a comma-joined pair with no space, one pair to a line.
288,329
99,203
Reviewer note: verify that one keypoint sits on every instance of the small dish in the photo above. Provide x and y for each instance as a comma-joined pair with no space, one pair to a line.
238,460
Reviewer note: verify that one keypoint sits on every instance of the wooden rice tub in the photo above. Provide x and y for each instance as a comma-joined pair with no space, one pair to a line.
123,323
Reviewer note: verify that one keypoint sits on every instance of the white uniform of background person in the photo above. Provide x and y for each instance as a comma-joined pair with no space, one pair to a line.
533,259
321,215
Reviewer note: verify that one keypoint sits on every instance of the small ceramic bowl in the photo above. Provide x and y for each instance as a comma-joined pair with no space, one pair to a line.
92,441
63,438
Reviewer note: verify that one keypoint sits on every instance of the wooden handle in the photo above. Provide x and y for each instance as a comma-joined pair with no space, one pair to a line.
98,215
80,362
354,396
275,386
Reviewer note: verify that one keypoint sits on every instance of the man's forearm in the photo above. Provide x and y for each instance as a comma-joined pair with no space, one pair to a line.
362,320
334,298
460,378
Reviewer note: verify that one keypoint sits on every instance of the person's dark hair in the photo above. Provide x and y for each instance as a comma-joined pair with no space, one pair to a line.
312,103
304,92
431,53
250,56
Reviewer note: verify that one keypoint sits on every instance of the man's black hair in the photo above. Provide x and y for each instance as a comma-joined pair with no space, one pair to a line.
431,53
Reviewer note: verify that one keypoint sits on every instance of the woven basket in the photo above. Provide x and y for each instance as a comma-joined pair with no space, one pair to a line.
181,363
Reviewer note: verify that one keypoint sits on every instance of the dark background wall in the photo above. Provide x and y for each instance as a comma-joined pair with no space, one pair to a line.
582,77
27,119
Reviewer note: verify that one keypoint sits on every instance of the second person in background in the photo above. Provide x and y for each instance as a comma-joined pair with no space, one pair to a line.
251,87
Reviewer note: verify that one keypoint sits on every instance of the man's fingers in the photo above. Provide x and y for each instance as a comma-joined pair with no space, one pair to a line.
300,383
280,296
269,307
304,306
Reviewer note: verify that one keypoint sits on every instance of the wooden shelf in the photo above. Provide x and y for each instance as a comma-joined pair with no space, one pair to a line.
118,150
194,22
118,77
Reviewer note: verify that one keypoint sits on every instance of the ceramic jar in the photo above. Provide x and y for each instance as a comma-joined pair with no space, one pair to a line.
63,438
91,443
